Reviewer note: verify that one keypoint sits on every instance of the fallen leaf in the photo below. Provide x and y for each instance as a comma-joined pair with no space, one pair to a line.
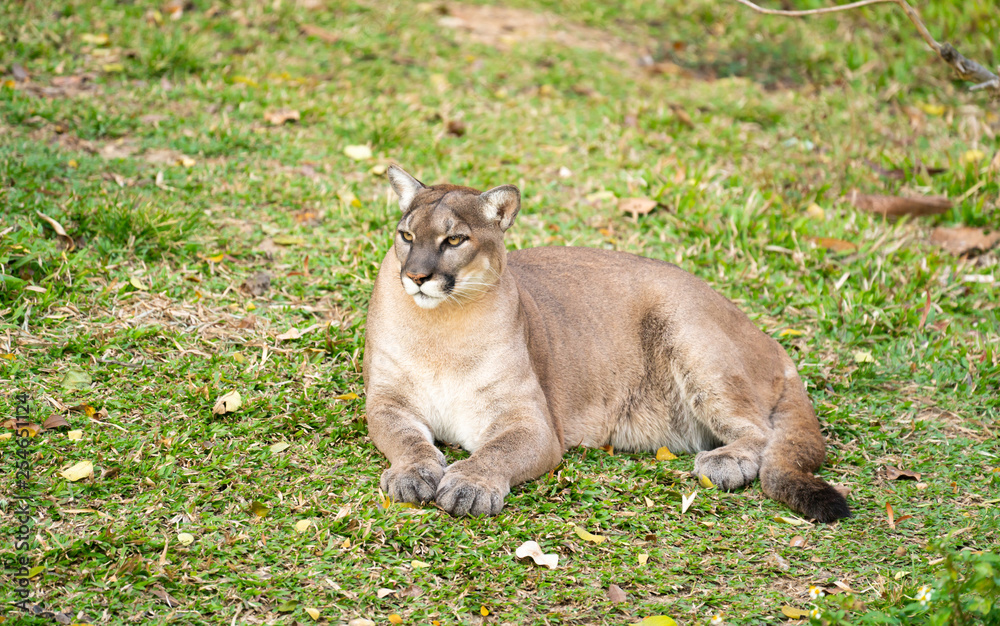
281,446
100,39
643,559
636,206
816,212
658,620
896,206
302,525
586,536
893,473
282,116
56,420
257,285
664,454
289,240
791,332
346,396
456,128
287,606
798,541
76,379
413,591
227,403
185,161
395,619
789,519
610,449
384,592
75,435
778,561
165,597
687,501
973,156
313,613
531,549
64,238
483,610
889,514
415,564
794,613
185,539
833,244
649,501
79,471
358,153
86,409
291,333
963,240
258,509
863,356
615,594
319,33
706,482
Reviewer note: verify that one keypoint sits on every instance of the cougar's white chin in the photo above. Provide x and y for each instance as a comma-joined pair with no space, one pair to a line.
425,301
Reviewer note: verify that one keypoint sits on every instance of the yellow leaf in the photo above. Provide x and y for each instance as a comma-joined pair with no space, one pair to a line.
239,358
281,446
217,258
289,240
586,536
73,164
227,403
245,81
135,282
113,68
81,470
185,539
6,436
251,306
7,357
790,332
186,161
346,396
789,519
664,454
706,482
658,620
794,613
972,156
258,509
415,564
358,153
346,545
863,356
484,611
649,502
395,619
95,40
816,212
313,613
931,108
643,559
302,525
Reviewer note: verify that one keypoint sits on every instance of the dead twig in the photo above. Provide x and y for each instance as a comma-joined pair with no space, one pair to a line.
966,69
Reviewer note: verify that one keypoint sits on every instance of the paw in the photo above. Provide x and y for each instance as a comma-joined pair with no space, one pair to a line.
465,492
414,482
727,469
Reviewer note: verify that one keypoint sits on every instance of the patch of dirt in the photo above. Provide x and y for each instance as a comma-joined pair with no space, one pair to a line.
505,27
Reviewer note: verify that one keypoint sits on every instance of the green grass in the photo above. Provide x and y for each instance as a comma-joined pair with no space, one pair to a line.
175,190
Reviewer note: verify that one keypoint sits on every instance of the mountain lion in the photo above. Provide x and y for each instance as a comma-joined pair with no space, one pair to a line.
520,356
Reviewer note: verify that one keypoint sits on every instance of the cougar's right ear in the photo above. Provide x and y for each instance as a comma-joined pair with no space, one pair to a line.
405,186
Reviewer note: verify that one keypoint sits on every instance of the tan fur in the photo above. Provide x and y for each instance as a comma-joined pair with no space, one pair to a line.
518,357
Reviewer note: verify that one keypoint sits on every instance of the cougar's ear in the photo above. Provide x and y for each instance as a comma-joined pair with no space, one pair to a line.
405,186
501,204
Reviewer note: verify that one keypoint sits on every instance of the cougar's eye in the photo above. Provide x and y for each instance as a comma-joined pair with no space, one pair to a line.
454,240
406,236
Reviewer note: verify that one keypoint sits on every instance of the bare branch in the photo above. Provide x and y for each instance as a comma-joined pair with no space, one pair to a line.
965,68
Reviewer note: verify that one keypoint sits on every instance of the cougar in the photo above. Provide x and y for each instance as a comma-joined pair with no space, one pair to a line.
519,356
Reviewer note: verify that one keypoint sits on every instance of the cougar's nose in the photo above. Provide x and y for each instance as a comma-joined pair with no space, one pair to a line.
419,279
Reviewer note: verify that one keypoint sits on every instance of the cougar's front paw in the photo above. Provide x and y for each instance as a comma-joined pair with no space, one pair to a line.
467,492
727,468
415,482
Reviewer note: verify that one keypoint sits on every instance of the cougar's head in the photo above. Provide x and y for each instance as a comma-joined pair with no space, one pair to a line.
449,241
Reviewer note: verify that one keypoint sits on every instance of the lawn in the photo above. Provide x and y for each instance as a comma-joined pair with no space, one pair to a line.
194,204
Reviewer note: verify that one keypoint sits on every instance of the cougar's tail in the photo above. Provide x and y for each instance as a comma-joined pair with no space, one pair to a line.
794,453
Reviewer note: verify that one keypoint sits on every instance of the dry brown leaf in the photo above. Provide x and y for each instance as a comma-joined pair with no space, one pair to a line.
456,128
257,285
636,206
165,597
897,206
798,541
56,420
64,238
833,244
963,240
282,116
616,594
319,33
892,473
889,513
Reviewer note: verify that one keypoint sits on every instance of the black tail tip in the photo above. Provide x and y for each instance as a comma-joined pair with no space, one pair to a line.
827,505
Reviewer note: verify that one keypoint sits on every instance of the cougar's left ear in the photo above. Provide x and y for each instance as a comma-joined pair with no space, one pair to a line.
405,186
501,204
